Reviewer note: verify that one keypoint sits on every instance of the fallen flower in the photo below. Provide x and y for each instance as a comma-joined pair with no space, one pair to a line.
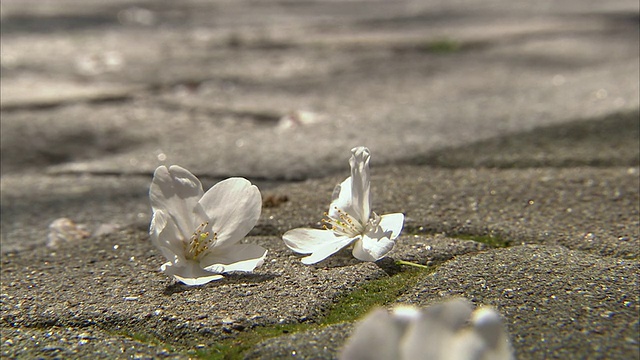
64,230
198,232
349,221
449,330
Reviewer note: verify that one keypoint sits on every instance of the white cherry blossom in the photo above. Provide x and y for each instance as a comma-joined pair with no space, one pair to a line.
349,221
199,232
446,331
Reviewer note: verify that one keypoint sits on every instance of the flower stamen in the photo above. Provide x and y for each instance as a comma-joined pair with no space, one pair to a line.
200,242
345,224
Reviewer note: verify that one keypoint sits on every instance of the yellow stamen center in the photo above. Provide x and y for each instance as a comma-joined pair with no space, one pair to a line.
345,224
200,242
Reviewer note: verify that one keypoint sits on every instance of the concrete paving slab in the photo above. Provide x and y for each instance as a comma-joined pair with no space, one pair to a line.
556,303
592,209
324,343
73,280
444,76
55,342
110,287
543,93
589,209
119,288
30,203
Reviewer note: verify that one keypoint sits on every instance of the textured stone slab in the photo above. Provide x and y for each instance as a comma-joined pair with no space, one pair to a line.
276,91
324,343
594,209
56,342
109,287
113,283
41,92
31,202
557,303
444,76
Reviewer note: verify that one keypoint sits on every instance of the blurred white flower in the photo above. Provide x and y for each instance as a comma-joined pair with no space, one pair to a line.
448,331
349,221
198,232
298,118
64,230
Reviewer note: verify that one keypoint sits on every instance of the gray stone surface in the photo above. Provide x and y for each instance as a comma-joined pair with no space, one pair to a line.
216,77
319,344
110,286
557,303
508,122
116,285
593,209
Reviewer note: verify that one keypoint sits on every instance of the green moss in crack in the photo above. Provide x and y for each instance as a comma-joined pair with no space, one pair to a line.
232,349
443,46
380,292
348,307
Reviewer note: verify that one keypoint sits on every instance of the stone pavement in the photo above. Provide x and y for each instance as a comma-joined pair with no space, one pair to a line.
507,132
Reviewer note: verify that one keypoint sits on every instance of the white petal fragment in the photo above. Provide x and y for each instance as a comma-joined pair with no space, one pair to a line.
233,207
201,280
189,273
303,240
487,324
377,336
242,257
360,182
392,222
377,242
327,249
341,199
440,331
319,243
372,249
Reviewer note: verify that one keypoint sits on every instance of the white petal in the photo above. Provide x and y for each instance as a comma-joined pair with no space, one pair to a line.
467,345
327,249
342,200
353,194
233,207
375,337
487,324
404,315
303,240
319,243
392,222
486,339
372,248
165,236
190,273
176,191
242,257
360,182
430,337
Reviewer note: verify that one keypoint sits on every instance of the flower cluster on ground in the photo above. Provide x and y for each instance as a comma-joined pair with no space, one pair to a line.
199,233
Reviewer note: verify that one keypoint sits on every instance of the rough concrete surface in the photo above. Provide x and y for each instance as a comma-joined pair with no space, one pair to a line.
507,132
